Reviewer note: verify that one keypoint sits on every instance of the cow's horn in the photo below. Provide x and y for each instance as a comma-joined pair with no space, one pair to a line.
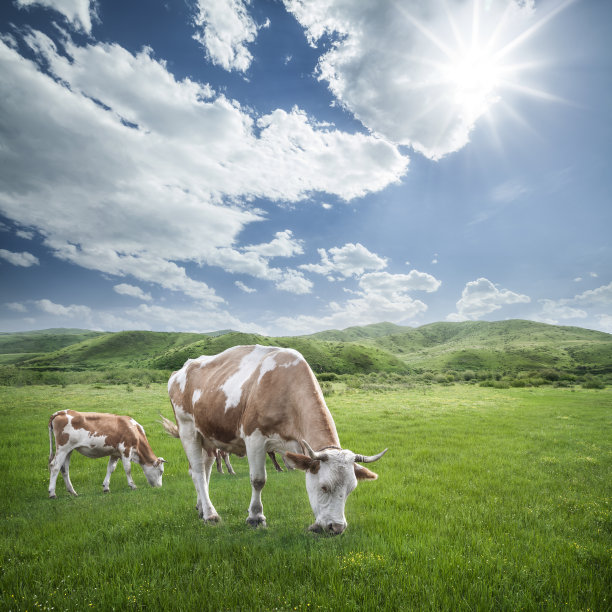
313,454
371,458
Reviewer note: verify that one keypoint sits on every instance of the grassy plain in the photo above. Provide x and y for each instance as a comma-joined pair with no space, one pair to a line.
488,499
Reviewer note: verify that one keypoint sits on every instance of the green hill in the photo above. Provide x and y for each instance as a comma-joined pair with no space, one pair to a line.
17,347
499,348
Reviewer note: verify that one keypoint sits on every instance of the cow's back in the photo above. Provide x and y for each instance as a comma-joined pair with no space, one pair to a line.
248,388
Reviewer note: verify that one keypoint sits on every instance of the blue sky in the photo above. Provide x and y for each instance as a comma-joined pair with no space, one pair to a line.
291,166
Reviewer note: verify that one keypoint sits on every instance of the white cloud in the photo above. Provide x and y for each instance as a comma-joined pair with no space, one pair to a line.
132,291
602,296
175,165
405,69
348,260
145,316
481,297
244,287
59,310
24,234
25,259
16,306
554,311
391,285
283,245
294,281
226,30
382,297
605,322
78,12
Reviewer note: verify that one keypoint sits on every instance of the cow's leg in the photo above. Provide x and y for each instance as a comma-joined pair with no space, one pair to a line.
277,467
200,465
54,468
256,453
218,461
127,466
65,470
228,465
112,464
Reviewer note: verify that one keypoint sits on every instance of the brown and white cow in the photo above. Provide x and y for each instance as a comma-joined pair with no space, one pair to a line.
96,434
257,399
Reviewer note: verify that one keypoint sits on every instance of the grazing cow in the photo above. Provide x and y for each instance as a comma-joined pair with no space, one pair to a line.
94,435
250,400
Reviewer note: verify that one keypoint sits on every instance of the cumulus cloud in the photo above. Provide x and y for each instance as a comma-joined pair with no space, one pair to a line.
348,260
144,316
79,13
69,312
294,281
25,259
405,70
381,297
481,297
176,164
16,306
132,291
578,307
225,28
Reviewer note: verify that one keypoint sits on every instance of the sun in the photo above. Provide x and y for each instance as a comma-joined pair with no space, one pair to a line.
482,49
474,80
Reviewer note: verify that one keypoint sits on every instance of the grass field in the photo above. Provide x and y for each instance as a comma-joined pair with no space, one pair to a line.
488,499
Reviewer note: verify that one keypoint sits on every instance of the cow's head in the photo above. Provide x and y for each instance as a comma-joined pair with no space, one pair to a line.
154,472
331,475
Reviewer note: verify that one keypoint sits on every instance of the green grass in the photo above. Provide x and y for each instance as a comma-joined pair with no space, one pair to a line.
487,500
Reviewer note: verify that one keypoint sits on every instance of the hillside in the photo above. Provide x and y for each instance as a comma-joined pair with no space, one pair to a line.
509,346
498,348
16,347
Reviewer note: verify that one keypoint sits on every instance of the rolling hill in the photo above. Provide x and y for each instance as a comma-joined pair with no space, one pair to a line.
502,347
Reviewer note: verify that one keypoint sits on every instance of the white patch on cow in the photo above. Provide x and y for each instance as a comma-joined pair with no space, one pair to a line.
248,364
86,442
138,426
197,394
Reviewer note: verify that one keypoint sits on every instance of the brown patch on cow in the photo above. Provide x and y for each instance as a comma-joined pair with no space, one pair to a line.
287,401
58,422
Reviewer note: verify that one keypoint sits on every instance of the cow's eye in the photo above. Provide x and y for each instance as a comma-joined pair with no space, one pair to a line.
325,489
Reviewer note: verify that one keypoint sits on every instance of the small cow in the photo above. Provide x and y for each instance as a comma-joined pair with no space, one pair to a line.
94,435
252,400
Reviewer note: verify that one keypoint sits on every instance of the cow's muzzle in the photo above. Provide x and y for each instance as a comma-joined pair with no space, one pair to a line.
329,529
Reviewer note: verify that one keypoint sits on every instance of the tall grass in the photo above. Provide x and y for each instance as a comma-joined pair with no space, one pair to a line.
487,499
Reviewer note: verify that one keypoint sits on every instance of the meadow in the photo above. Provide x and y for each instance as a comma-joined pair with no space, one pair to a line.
488,499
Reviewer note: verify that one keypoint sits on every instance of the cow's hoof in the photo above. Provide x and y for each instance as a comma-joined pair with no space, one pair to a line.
74,493
258,521
52,496
213,520
133,487
105,490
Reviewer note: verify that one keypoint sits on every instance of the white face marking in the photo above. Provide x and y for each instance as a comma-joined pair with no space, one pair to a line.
248,364
329,488
154,474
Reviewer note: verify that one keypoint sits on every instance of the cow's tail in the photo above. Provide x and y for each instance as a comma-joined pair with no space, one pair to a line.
170,426
51,452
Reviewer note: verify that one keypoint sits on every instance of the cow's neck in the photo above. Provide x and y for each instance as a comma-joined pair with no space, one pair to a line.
320,429
144,455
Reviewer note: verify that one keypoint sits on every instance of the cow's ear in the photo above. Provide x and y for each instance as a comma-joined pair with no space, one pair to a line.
363,473
302,462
